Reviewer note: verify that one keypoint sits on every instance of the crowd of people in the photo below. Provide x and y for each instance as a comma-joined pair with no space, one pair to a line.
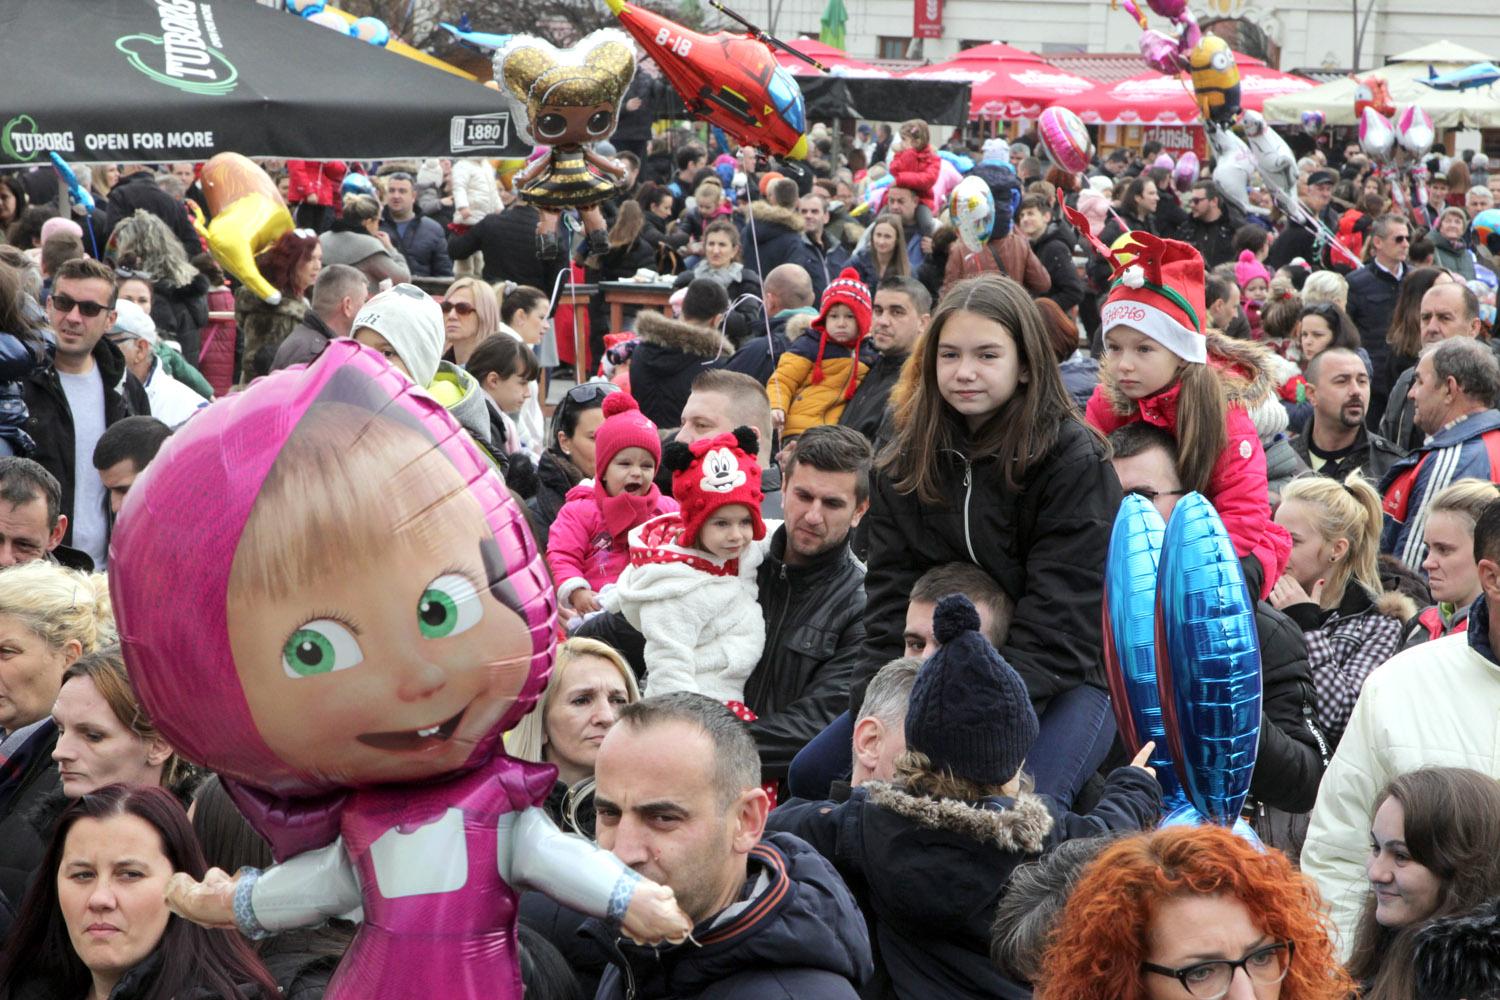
827,535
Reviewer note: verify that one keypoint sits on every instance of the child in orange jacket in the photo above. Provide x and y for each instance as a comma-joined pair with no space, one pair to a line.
817,376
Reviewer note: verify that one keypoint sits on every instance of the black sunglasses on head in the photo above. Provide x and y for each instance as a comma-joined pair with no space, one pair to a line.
582,396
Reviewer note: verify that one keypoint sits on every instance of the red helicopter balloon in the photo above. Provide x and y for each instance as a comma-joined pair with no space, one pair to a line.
731,81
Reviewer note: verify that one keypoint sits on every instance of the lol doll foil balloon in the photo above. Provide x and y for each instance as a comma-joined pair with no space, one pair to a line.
327,595
568,99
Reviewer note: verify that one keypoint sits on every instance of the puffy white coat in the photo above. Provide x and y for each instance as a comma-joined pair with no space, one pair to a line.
1434,705
704,632
474,189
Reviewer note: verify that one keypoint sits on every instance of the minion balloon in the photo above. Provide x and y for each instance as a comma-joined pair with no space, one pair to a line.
1216,80
568,99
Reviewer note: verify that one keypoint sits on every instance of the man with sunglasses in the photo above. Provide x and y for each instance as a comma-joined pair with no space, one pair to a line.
71,403
1210,226
1373,290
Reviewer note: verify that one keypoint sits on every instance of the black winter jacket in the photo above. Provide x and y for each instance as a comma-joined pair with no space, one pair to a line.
669,354
1214,240
508,240
1298,241
1043,543
1293,751
50,422
139,191
772,236
181,312
831,259
18,359
815,634
555,475
930,872
1054,248
21,845
1374,456
866,411
425,245
745,320
800,938
1372,303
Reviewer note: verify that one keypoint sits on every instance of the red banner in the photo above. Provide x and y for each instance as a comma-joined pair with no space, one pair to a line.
1178,139
927,20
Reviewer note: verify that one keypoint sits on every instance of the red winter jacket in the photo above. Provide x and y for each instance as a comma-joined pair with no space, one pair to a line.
216,356
1237,488
918,170
315,177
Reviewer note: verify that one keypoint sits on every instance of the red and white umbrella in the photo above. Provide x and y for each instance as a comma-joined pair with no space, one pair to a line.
1153,99
838,61
1007,82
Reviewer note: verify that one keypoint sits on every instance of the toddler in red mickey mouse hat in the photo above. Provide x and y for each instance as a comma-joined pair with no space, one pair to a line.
690,586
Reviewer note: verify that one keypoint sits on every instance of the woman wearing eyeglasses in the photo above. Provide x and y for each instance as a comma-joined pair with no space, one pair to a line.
1434,853
569,458
1192,913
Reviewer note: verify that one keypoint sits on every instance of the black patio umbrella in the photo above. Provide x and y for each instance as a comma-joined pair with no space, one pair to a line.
159,80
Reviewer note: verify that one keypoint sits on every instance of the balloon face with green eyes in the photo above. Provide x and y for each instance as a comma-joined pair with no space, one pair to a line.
394,662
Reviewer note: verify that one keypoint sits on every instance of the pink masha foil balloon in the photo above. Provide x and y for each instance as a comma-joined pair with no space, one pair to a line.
1065,138
1376,136
1186,171
326,594
1414,131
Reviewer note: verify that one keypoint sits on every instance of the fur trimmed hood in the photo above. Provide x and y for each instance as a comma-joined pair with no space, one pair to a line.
1021,829
1246,369
654,328
1394,604
763,212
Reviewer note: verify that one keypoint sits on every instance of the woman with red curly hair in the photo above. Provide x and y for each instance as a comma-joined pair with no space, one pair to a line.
1192,913
292,264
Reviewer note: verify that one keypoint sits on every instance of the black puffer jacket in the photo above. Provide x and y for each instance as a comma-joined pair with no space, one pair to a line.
508,241
931,872
555,477
1054,248
802,938
669,354
772,236
1214,240
866,411
21,845
1043,543
1293,750
180,313
815,634
50,421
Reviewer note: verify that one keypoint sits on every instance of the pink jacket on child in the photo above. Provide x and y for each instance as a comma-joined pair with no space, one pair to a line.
588,544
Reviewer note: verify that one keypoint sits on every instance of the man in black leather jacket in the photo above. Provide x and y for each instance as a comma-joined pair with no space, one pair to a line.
811,594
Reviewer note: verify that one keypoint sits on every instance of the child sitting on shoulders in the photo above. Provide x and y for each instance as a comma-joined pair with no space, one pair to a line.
690,588
588,544
816,376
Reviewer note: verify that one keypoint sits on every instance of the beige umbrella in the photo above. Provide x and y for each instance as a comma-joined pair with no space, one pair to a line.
1478,107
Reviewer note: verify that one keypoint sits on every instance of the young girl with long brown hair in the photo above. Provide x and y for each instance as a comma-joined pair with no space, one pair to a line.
991,465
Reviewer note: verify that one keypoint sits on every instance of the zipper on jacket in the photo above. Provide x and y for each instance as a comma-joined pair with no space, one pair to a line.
968,493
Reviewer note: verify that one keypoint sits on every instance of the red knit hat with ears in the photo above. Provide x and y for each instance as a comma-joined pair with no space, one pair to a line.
715,472
848,289
1156,288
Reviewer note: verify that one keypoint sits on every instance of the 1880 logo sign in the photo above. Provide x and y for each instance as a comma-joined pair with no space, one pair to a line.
186,54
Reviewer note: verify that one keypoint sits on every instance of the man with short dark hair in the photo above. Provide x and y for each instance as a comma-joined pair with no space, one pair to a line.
1224,313
1335,443
678,799
811,591
137,190
1210,227
32,523
420,239
1435,704
993,604
902,309
336,297
71,402
688,161
1373,290
123,453
1454,395
832,257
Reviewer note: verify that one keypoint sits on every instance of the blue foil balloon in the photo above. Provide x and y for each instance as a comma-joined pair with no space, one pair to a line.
1186,815
1208,655
1130,637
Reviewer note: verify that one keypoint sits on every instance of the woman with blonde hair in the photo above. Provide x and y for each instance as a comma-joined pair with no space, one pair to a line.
1452,571
49,617
1326,286
471,315
1331,589
590,683
356,239
146,245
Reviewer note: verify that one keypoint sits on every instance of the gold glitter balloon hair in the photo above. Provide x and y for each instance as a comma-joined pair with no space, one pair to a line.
537,75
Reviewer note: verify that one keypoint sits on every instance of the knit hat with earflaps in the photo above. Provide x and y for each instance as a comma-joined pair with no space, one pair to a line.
969,712
1157,289
848,289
